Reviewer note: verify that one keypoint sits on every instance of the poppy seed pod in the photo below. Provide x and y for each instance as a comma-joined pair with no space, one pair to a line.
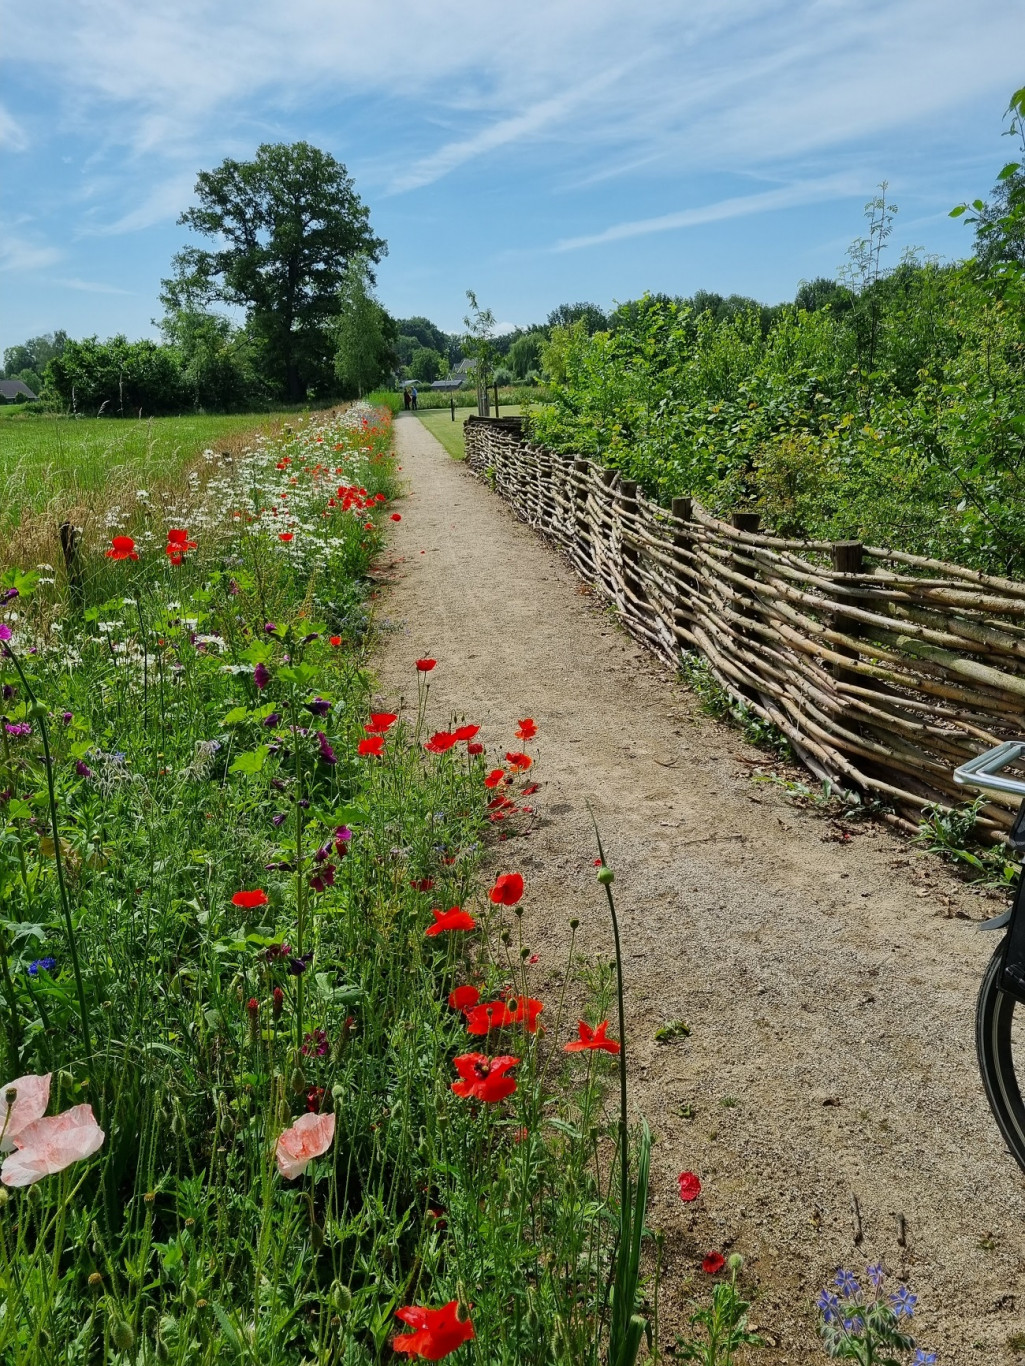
317,1238
95,1281
297,1081
735,1262
606,876
150,1320
341,1297
122,1335
190,1297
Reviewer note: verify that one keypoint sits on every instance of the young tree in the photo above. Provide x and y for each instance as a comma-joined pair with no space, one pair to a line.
426,365
365,335
286,225
478,344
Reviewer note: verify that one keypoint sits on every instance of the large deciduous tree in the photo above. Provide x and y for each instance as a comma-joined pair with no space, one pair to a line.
285,226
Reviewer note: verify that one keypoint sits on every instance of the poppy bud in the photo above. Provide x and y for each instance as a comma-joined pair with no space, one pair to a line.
341,1297
35,1195
317,1237
190,1297
574,924
506,938
95,1281
297,1081
36,711
122,1335
161,1350
735,1262
606,876
150,1320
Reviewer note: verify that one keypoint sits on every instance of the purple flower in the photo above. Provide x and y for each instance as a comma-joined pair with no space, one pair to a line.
322,853
924,1358
342,837
828,1306
6,795
271,721
318,706
9,594
41,965
875,1274
10,692
854,1325
261,675
278,867
278,819
315,1042
18,728
270,628
323,878
904,1302
5,631
82,769
233,588
327,754
306,640
297,966
846,1283
67,717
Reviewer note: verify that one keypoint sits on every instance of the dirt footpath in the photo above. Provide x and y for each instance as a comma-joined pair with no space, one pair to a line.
829,985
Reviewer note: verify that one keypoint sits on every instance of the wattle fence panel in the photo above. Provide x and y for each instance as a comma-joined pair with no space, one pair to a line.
884,670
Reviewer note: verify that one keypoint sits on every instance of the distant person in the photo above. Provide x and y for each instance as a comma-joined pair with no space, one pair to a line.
407,398
413,395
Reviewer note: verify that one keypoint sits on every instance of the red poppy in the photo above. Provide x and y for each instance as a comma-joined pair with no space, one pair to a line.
465,732
524,1010
484,1078
286,536
592,1038
396,516
519,762
464,998
372,744
440,742
490,1015
527,729
529,791
250,900
423,884
380,721
713,1263
438,1331
178,544
122,548
335,641
494,777
507,890
475,749
452,919
425,665
690,1187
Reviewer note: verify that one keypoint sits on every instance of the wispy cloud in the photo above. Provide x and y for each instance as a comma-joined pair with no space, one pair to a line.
13,137
500,134
16,253
162,204
90,286
739,206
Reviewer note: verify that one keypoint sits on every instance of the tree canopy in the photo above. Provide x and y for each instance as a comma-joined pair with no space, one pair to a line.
286,226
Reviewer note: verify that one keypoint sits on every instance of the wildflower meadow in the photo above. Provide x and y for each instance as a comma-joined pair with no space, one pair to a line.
278,1086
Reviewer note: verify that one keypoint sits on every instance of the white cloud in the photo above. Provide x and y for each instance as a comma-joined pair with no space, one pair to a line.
13,137
161,204
16,253
91,286
784,197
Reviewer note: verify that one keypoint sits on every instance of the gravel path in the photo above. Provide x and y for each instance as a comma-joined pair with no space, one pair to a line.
829,983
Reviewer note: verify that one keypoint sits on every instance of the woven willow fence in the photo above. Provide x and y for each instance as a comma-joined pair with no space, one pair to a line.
884,670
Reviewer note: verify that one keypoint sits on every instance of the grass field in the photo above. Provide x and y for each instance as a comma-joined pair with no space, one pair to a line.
41,457
439,423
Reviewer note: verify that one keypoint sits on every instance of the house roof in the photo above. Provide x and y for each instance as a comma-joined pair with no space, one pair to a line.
15,388
465,367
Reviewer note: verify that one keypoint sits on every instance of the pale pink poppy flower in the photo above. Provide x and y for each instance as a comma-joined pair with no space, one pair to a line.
47,1146
29,1105
309,1137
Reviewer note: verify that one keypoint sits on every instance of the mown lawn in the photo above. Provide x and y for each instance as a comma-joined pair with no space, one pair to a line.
44,456
439,423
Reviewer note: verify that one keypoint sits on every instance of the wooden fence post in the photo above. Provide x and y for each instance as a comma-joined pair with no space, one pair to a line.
745,521
452,405
631,558
71,539
847,559
582,527
683,614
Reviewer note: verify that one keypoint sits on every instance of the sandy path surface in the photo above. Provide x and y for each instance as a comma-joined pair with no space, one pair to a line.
829,985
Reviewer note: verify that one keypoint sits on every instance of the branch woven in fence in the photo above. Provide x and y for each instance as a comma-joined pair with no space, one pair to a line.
884,679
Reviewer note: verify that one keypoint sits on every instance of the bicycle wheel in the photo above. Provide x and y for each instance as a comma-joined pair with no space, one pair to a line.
1000,1043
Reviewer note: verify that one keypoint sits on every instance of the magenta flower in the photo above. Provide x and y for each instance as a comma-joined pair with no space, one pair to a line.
261,675
18,728
327,754
5,631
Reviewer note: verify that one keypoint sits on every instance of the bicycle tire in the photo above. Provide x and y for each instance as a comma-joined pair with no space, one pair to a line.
994,1042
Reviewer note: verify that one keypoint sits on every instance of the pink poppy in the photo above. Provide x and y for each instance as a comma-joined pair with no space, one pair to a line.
48,1145
309,1137
33,1096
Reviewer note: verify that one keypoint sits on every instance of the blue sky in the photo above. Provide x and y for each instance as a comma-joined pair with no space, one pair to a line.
536,152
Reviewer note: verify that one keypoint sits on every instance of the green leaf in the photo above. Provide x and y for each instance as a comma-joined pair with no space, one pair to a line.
236,715
1009,170
956,213
251,762
302,675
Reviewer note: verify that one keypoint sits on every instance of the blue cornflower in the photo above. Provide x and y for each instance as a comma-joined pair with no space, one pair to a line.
846,1283
924,1358
875,1274
904,1302
828,1305
41,965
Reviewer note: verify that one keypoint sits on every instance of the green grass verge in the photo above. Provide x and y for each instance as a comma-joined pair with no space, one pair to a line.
449,433
48,456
